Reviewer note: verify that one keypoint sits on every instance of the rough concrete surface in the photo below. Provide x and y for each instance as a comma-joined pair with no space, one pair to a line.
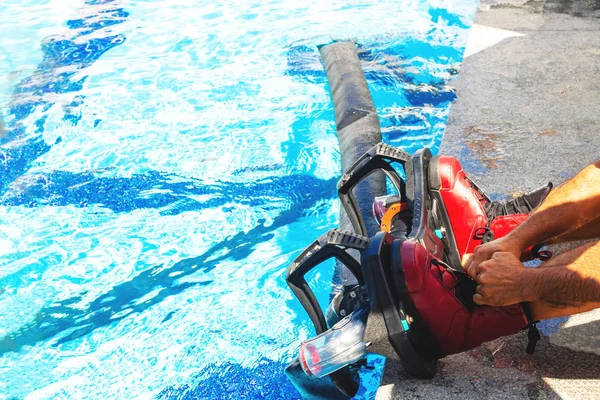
527,113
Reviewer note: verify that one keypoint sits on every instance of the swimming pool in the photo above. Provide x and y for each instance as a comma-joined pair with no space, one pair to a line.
163,162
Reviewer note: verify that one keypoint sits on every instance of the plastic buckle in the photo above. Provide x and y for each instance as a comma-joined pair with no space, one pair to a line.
544,255
484,234
388,217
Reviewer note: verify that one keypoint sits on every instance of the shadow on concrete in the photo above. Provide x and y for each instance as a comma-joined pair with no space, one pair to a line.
502,369
525,115
578,8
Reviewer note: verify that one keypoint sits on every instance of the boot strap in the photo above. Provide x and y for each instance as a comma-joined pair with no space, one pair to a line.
533,335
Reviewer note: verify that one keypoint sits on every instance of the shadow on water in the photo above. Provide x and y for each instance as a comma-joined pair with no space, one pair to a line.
397,67
126,298
59,73
64,56
263,381
389,67
157,190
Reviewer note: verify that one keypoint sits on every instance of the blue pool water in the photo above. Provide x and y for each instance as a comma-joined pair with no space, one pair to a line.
162,162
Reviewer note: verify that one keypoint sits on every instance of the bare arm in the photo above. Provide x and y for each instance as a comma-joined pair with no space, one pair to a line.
591,230
572,207
571,280
571,284
567,208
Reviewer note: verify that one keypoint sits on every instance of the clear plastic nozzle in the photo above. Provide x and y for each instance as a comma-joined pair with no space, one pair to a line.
339,346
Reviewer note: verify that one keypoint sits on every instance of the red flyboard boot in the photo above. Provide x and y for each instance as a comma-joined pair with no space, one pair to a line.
443,300
467,218
434,298
474,219
410,271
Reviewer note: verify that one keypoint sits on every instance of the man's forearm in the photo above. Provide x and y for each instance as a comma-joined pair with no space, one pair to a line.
566,208
573,284
590,230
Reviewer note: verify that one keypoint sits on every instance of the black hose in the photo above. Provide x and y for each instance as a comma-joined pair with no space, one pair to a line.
358,130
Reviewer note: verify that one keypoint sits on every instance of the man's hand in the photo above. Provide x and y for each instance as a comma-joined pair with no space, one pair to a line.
485,251
503,281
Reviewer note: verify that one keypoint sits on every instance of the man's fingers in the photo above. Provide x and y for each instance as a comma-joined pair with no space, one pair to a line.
466,260
482,253
482,278
481,268
479,289
473,265
478,299
499,254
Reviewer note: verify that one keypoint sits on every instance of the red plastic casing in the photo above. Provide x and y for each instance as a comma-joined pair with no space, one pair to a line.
454,327
428,284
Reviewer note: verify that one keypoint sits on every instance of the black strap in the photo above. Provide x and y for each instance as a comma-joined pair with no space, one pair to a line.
533,334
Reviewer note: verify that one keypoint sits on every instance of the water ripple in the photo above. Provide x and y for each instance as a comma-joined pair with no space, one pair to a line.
162,162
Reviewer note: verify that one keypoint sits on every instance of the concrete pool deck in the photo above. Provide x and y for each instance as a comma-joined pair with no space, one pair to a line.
527,113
